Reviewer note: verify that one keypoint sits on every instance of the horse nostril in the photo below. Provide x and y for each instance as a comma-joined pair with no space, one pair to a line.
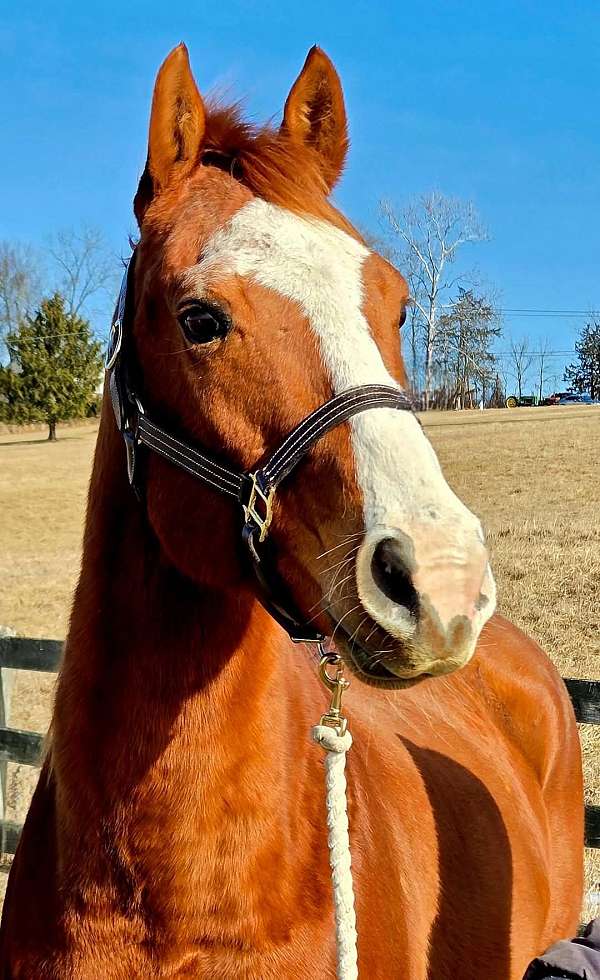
392,576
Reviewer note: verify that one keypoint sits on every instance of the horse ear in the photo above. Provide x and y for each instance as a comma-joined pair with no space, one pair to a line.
177,125
315,114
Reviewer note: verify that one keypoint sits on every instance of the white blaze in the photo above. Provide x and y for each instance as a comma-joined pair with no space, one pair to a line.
320,268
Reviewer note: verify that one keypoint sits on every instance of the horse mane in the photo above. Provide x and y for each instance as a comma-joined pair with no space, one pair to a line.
273,166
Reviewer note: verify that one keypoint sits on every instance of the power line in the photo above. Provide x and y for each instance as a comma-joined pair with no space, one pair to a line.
535,312
534,353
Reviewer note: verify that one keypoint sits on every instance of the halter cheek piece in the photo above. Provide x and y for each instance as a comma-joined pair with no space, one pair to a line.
254,491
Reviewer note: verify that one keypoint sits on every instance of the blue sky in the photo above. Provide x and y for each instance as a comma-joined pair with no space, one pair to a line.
495,101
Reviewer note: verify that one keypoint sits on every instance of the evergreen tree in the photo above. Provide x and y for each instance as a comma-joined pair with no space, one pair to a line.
584,374
54,367
466,363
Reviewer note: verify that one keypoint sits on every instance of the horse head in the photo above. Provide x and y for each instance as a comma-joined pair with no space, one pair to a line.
256,301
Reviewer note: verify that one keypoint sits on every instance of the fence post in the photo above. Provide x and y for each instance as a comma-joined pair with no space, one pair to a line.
7,676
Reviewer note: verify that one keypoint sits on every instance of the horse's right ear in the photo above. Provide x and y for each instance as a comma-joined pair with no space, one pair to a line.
177,125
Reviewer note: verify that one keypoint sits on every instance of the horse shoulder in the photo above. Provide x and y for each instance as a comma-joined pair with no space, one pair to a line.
528,700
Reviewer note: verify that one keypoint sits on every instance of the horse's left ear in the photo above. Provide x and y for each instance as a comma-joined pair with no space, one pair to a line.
315,114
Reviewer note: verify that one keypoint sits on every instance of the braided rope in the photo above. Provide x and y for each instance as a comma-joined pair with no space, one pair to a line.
336,747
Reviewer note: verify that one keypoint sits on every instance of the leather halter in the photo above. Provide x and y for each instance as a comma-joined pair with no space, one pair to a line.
255,490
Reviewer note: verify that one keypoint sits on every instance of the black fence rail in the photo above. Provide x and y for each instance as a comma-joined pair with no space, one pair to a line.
22,653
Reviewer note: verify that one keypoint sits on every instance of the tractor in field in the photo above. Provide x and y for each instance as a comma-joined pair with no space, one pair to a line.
521,401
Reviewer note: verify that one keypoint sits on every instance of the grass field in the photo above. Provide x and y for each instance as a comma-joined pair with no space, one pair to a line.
532,475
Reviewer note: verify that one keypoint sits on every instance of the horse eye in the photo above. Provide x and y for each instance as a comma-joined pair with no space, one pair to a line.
402,319
201,324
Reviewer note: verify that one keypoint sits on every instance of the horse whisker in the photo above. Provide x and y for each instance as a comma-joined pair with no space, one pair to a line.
346,557
360,625
330,606
347,540
374,628
340,621
327,595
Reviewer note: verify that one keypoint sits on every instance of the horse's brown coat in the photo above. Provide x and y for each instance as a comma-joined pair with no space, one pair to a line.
178,826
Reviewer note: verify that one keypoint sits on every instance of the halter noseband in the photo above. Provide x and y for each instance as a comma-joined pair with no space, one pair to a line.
254,490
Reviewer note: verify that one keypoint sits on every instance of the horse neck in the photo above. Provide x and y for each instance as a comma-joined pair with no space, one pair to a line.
179,759
156,666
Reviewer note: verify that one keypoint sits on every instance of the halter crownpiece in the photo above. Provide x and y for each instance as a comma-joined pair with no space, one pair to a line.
255,490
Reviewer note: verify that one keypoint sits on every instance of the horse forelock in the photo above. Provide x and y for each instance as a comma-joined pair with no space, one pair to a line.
263,159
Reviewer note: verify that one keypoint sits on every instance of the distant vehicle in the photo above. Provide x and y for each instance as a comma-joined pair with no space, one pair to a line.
557,398
585,399
569,398
525,401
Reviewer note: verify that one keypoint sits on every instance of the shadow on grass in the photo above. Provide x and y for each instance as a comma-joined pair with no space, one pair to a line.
64,437
24,442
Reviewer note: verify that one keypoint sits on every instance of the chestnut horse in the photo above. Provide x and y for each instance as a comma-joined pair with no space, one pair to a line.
178,828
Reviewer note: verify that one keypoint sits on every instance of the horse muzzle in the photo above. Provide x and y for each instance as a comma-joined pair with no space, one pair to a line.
427,595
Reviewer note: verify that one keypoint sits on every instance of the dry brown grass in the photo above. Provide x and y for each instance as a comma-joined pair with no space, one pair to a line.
533,476
535,483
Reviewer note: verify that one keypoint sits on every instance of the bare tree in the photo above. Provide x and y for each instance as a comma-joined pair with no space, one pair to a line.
431,231
411,331
20,284
85,266
521,359
498,396
544,348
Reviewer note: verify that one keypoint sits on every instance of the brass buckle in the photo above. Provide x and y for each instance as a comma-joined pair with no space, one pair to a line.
337,685
262,521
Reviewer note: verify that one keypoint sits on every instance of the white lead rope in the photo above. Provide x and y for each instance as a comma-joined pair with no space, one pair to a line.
332,735
336,747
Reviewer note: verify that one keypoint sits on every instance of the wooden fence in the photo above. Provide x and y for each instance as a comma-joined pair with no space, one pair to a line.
18,653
